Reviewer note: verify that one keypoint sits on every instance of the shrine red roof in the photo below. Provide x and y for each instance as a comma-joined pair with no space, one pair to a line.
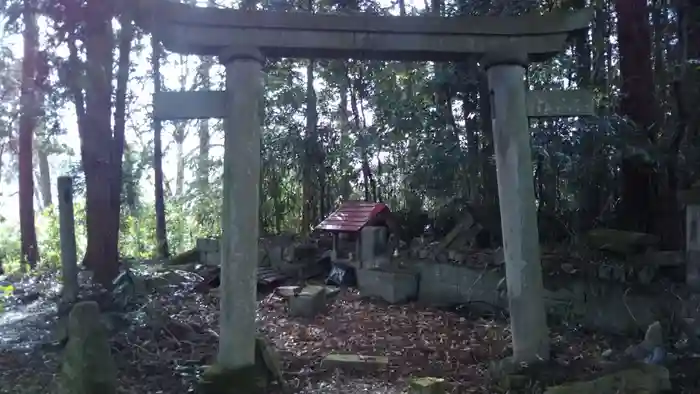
352,216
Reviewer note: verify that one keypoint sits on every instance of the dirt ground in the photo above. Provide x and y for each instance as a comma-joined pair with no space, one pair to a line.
162,341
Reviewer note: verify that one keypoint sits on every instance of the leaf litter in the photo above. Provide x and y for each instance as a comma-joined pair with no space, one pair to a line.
161,341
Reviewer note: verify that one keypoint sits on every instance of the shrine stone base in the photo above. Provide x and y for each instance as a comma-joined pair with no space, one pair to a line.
596,304
393,285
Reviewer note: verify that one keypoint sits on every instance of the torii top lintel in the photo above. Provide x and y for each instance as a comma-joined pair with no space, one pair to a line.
196,30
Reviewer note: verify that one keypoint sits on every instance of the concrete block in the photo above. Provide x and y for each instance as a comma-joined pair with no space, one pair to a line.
427,385
448,284
392,285
603,305
309,302
211,258
207,245
276,256
354,362
288,291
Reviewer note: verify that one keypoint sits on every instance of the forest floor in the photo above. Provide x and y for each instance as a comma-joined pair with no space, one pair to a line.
162,342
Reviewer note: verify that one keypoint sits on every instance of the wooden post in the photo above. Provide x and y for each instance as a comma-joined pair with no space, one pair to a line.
506,76
240,224
66,218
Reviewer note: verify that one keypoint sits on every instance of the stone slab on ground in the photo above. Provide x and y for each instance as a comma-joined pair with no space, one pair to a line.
354,362
390,284
642,379
332,291
619,241
270,358
288,291
427,385
308,302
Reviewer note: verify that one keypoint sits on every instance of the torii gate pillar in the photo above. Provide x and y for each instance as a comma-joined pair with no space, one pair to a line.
239,222
511,132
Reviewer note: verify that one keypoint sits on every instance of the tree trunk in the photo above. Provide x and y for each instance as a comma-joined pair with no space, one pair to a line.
44,175
488,169
308,184
102,255
658,18
583,51
162,249
126,35
179,138
345,128
691,32
203,162
30,106
101,150
638,104
601,30
368,181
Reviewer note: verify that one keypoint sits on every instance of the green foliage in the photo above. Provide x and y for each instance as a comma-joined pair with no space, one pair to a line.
9,247
422,128
136,238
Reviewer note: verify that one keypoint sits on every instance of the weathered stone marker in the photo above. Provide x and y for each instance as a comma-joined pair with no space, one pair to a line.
208,31
66,220
88,366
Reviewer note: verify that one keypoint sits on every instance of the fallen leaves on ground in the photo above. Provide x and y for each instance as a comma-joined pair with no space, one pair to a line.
173,332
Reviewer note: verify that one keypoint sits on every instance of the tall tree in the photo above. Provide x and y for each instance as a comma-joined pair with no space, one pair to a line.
102,146
162,249
43,173
29,107
638,104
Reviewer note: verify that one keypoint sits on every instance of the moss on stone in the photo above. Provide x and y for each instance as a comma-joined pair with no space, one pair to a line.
427,385
252,379
244,380
88,366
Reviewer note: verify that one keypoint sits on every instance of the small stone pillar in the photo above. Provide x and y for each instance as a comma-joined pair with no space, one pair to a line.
691,198
66,219
88,365
506,78
239,222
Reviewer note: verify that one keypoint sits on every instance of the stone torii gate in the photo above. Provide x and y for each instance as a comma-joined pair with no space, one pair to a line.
241,40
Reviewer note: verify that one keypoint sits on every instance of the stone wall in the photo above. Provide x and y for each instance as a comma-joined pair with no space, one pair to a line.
608,306
282,253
